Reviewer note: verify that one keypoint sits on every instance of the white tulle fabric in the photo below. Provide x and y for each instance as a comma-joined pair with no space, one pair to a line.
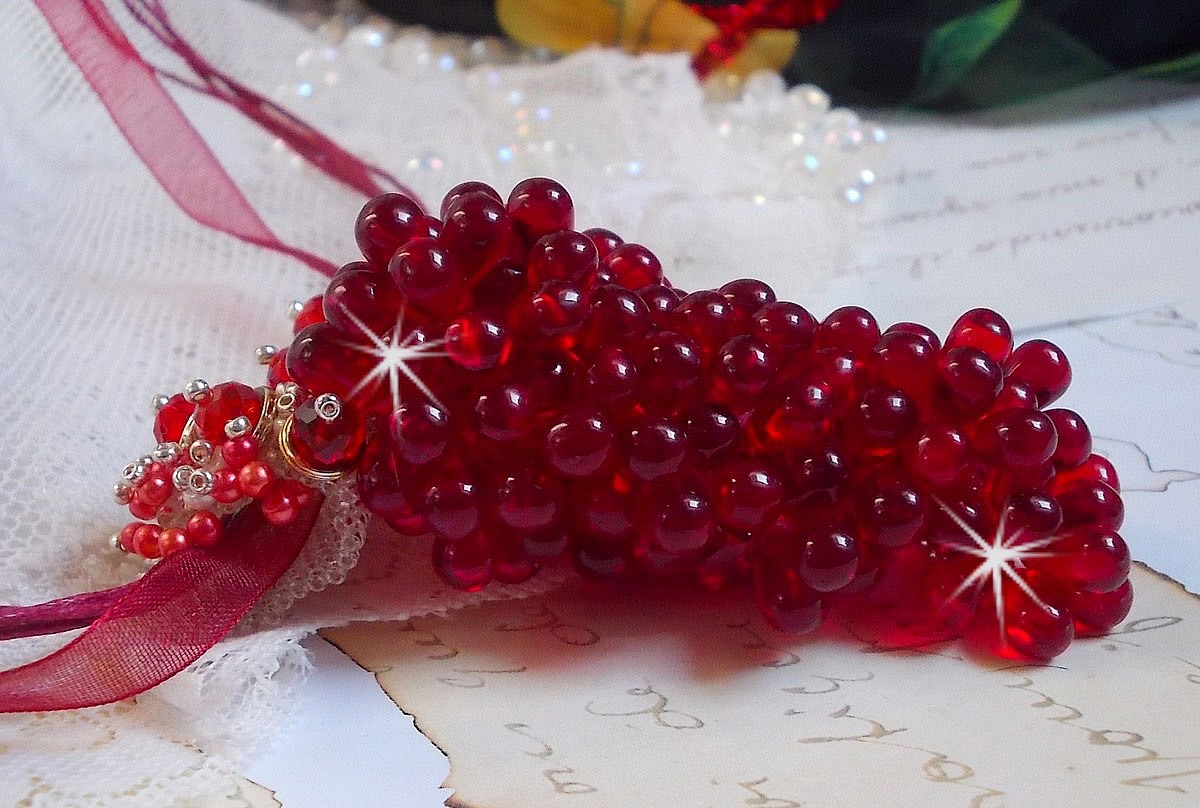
109,294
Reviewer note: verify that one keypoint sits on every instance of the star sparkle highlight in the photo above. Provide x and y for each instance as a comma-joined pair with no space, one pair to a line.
393,359
997,560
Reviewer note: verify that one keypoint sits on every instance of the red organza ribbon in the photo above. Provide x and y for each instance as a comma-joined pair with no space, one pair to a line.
151,629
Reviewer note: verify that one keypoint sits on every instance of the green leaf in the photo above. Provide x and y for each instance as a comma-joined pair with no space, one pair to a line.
954,48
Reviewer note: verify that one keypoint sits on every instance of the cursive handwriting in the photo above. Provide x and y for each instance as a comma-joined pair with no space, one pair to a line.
657,709
557,771
542,618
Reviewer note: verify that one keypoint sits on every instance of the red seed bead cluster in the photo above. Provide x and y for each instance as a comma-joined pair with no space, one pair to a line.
208,462
557,396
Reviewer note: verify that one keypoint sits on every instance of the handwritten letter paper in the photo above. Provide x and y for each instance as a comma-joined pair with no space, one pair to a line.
615,698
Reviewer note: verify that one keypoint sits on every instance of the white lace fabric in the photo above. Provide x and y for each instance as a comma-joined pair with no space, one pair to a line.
110,294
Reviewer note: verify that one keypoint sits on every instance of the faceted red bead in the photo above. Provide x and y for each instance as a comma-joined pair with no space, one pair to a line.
634,266
477,341
172,418
983,330
385,224
539,207
226,402
327,442
1043,366
277,369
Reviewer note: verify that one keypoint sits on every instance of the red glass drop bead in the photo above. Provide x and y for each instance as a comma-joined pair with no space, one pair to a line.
1043,366
172,540
634,266
321,359
708,317
597,558
465,565
916,329
803,417
559,307
849,328
725,565
892,513
907,362
670,371
277,369
1025,438
603,511
420,432
605,240
452,508
546,544
940,455
225,486
617,316
1091,503
464,188
948,596
885,416
655,447
172,418
528,501
972,379
819,472
1014,395
1090,559
203,529
749,293
360,301
580,444
829,560
680,521
566,256
237,452
254,478
1032,513
785,327
747,496
661,301
785,601
428,275
1074,438
282,501
506,414
744,366
1095,468
385,224
476,229
327,441
477,341
983,330
710,428
539,207
311,313
510,563
387,492
1097,612
500,286
145,539
1035,630
225,402
613,375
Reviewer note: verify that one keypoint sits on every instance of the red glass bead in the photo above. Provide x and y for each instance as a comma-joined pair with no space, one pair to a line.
605,240
203,529
499,287
580,444
603,511
983,330
617,316
940,455
283,500
892,513
420,432
679,521
172,418
359,300
476,229
916,329
1025,438
226,402
885,415
972,378
539,207
613,375
661,300
1091,503
849,328
1097,612
785,601
254,478
546,544
477,341
1089,558
464,188
655,446
750,293
708,318
1014,395
507,413
670,373
803,417
452,508
566,256
1033,514
1043,366
744,366
277,369
1095,468
311,313
785,327
528,501
747,496
225,486
1038,630
511,564
1074,438
829,560
634,266
819,471
386,491
385,224
327,440
428,275
237,452
710,428
725,565
145,539
559,307
465,565
321,360
906,362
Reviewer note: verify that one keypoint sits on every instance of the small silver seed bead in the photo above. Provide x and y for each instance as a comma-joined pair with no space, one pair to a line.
180,477
196,390
159,401
238,426
328,407
263,354
166,452
122,493
294,308
201,482
201,451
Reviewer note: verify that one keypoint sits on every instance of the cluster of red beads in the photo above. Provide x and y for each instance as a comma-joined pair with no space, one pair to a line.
585,407
177,490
